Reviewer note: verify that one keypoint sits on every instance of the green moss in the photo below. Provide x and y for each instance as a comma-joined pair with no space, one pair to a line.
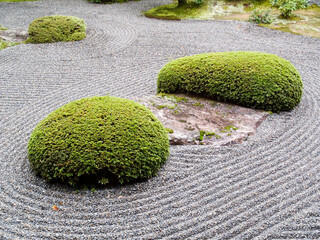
211,134
201,135
2,28
174,12
56,29
166,106
208,134
160,106
169,130
5,44
173,97
252,79
314,7
198,104
229,128
98,140
293,17
260,4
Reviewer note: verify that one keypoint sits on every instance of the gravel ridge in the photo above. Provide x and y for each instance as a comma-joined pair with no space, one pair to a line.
266,188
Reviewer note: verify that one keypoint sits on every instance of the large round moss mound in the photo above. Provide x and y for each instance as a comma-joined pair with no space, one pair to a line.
98,140
252,79
56,29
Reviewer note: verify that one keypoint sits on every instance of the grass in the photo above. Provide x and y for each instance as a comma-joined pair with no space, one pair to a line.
304,22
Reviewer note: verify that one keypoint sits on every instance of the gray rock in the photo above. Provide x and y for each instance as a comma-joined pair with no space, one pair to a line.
14,35
186,117
317,2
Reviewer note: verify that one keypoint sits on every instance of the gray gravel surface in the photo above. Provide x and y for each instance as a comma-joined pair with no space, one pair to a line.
266,188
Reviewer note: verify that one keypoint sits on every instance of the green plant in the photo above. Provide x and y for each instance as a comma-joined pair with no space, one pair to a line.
288,6
98,140
56,29
184,10
261,16
201,135
5,44
229,128
198,2
169,130
252,79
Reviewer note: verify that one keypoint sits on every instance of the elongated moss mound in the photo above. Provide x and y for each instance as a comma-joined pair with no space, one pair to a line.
97,140
252,79
56,29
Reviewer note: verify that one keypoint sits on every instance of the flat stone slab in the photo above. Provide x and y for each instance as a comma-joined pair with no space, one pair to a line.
14,35
199,121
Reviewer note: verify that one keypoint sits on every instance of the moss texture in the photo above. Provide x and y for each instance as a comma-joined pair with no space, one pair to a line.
252,79
98,140
56,29
175,12
5,44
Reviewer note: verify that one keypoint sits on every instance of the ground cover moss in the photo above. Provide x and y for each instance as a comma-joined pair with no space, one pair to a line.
5,44
174,12
252,79
56,29
98,140
304,22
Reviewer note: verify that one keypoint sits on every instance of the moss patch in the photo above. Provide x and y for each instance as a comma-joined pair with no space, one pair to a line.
5,44
56,29
98,140
252,79
173,12
304,22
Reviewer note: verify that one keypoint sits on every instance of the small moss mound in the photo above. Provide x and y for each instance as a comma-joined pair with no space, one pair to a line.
56,29
175,12
252,79
98,140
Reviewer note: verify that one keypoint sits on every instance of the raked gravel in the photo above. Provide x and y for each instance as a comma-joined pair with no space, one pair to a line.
266,188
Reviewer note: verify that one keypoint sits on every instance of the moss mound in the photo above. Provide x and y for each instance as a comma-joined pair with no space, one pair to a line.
252,79
56,29
98,140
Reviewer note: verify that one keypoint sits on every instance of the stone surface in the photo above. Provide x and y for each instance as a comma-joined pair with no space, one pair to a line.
14,35
317,2
186,118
